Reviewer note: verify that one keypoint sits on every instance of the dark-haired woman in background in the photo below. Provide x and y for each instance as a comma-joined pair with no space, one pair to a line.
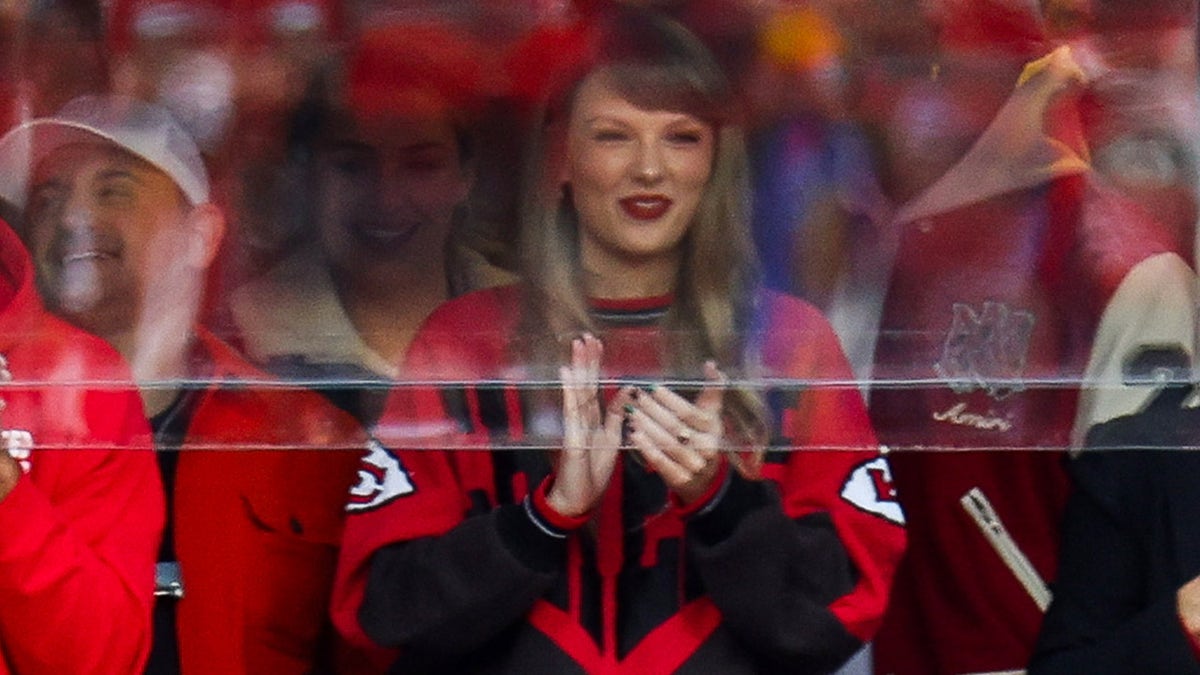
585,485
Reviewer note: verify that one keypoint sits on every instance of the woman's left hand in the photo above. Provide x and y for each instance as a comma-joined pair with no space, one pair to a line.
680,440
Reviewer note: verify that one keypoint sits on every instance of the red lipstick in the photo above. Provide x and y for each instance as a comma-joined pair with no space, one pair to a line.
646,207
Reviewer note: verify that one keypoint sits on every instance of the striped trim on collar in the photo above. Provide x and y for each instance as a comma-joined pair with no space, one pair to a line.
631,311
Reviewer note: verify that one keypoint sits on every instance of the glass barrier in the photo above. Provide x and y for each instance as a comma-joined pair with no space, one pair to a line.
817,281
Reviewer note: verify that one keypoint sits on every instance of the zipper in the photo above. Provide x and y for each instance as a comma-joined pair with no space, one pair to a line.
981,511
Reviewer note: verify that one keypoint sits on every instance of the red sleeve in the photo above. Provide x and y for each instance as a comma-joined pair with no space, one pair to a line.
414,478
836,467
399,496
840,472
78,540
400,493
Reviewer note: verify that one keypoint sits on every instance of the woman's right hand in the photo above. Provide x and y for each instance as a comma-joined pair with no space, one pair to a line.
590,444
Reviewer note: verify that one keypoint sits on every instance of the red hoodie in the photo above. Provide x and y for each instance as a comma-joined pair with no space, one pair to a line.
81,527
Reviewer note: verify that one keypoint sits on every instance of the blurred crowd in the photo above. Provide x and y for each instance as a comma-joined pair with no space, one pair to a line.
854,108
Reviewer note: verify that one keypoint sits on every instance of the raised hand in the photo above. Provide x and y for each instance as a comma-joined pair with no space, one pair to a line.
679,440
590,440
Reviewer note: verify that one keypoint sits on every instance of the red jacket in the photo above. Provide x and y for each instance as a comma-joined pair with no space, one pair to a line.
1000,318
79,532
259,494
792,571
1028,301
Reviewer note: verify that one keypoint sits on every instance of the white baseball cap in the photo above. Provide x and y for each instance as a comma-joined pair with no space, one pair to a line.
146,130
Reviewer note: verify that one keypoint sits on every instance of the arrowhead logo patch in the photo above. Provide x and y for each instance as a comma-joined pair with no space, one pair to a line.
381,479
869,488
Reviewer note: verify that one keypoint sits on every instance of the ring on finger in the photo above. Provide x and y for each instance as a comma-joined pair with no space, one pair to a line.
684,436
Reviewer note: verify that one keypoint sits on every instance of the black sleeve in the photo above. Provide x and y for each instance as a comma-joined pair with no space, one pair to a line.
440,598
773,577
1106,616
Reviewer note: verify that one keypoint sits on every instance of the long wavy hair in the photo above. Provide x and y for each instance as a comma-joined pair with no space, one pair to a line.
655,64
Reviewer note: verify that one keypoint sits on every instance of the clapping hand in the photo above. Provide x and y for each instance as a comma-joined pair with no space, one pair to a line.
680,440
591,439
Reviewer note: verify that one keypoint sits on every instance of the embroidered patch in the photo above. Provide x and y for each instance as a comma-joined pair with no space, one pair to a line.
960,415
986,349
869,488
381,479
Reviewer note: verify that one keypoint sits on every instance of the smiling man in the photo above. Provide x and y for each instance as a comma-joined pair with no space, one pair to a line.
121,229
80,503
117,211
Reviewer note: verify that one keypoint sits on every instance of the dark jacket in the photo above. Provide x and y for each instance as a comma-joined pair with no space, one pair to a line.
1131,538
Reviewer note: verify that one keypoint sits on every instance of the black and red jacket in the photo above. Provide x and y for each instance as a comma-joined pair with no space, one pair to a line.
444,560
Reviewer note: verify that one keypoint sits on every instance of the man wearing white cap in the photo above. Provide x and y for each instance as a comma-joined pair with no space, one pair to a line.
80,500
117,207
116,203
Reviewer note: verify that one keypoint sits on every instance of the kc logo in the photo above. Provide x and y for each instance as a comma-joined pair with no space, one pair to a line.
869,487
986,349
381,478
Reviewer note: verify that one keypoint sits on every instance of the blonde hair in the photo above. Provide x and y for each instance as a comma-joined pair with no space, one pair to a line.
657,65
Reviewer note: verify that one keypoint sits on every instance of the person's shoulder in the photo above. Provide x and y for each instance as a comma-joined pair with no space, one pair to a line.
786,307
1128,455
84,389
59,351
466,336
290,414
792,319
483,309
1168,421
797,339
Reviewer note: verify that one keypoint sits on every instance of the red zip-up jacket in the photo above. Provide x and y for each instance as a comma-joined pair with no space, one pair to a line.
258,496
79,532
443,560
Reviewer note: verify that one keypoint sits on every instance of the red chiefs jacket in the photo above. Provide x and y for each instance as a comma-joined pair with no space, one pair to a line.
79,532
258,498
442,560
